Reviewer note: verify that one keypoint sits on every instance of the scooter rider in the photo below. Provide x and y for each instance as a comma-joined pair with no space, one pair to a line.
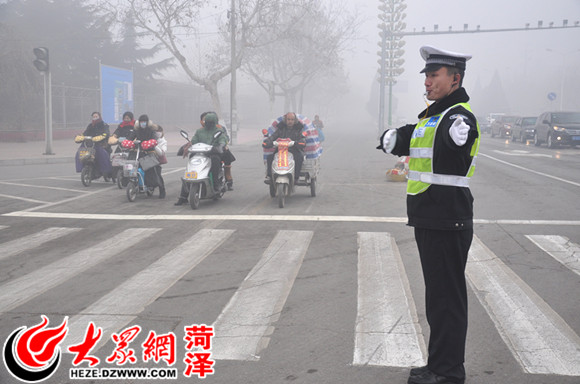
125,129
99,131
291,128
145,131
206,135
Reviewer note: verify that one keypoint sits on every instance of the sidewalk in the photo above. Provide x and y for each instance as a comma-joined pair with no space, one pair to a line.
32,152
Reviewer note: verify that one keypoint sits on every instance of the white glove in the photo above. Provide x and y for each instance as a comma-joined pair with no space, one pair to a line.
459,131
389,140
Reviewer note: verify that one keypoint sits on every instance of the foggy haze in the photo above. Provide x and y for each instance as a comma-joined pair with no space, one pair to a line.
529,64
511,72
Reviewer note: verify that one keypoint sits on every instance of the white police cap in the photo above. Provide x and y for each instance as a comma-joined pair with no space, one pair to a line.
435,58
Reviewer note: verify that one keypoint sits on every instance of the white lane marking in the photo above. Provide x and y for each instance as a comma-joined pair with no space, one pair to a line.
42,187
3,226
522,153
561,249
124,303
537,336
363,219
532,171
26,243
81,196
23,199
387,330
24,288
244,327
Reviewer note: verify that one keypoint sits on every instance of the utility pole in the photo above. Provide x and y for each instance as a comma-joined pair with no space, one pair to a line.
233,104
42,64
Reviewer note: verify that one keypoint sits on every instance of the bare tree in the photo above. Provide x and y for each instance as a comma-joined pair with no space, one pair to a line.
315,38
170,22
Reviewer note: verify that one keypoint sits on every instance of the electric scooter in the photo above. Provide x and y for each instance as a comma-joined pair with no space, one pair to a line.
198,176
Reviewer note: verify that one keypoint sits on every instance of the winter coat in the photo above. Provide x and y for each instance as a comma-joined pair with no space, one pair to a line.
98,128
284,132
206,135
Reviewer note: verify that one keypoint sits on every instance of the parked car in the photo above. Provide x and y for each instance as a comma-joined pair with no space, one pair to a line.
502,126
555,128
484,124
523,129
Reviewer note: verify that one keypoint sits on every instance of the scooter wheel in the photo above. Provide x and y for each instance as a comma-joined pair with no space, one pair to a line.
282,189
87,175
120,179
194,196
131,191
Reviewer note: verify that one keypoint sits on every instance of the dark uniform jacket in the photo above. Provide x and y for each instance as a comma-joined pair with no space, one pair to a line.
443,207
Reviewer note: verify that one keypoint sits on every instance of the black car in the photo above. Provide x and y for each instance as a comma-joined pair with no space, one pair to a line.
523,129
555,128
502,126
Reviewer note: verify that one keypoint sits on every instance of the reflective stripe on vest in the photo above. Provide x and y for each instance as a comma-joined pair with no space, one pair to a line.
421,174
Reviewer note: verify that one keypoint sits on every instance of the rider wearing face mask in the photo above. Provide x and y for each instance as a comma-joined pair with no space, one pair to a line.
145,130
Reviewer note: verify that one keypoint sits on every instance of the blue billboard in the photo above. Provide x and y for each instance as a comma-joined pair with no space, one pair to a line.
116,93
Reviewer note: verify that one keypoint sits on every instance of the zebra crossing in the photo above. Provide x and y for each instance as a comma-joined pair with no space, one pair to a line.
386,332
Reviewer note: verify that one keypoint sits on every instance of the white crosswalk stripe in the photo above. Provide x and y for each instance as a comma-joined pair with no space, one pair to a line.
20,290
386,331
121,305
561,249
30,242
244,327
536,335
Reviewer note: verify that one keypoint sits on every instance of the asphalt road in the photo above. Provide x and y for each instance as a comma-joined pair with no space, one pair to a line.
326,290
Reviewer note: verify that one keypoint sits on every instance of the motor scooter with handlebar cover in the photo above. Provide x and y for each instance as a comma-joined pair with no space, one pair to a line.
87,157
198,178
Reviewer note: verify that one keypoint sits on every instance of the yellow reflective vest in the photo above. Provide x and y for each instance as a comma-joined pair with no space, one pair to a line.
421,174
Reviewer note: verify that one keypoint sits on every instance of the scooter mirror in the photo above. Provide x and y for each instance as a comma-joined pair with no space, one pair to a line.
265,132
184,134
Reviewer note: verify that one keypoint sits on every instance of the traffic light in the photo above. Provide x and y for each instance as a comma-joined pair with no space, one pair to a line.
41,62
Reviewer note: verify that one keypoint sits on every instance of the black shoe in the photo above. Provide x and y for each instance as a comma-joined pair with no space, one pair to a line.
418,371
181,201
162,192
429,377
230,185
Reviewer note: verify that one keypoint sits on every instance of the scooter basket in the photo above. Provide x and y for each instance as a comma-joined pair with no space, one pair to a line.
86,154
118,159
130,168
149,161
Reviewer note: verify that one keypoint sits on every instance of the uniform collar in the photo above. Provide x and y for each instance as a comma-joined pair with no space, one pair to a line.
459,96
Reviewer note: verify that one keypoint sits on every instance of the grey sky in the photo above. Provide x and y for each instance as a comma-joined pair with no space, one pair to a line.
527,69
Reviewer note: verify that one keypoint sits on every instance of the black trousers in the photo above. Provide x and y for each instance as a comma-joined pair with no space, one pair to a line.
443,258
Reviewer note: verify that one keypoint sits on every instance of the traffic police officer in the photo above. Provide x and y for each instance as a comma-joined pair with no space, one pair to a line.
442,148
